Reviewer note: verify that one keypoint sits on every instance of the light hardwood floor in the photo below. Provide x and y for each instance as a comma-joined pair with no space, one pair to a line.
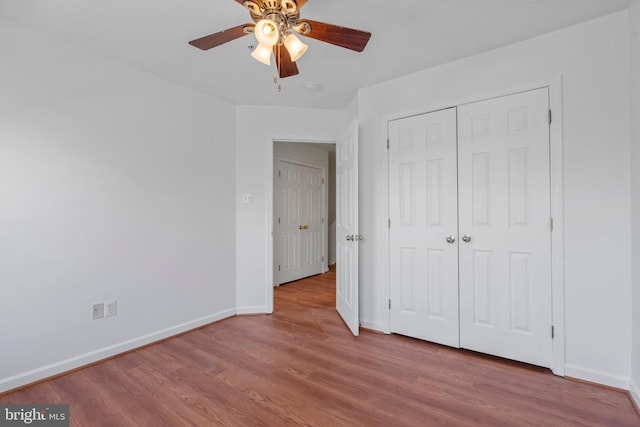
301,366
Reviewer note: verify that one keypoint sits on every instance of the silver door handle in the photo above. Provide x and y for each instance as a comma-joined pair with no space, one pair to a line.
350,238
466,238
358,237
451,239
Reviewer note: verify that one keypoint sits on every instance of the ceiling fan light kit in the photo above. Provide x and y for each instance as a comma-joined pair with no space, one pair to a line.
276,24
295,47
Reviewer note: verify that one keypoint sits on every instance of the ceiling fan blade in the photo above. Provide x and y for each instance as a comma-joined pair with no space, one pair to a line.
286,67
340,36
213,40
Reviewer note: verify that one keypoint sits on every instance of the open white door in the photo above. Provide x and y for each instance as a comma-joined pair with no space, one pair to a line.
347,237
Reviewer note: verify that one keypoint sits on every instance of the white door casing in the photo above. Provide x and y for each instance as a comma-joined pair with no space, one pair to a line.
347,237
504,223
424,227
299,224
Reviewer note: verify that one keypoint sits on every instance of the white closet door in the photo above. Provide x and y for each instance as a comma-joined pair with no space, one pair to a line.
424,227
290,218
312,221
504,225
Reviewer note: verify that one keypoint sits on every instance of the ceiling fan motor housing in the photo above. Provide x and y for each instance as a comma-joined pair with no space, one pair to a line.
281,11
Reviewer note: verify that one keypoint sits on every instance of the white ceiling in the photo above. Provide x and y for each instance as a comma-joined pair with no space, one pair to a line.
408,36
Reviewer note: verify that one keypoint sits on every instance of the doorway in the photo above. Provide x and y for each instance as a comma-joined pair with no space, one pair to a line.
303,209
347,209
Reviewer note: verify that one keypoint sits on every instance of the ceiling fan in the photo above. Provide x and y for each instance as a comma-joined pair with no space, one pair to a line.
276,24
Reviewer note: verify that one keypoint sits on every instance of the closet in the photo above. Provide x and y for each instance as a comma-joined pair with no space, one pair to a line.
470,227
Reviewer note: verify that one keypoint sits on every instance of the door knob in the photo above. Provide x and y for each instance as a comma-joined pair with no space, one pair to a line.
466,238
301,227
451,239
350,238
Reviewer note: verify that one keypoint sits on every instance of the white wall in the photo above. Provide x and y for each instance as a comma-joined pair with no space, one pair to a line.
256,129
634,25
593,61
114,184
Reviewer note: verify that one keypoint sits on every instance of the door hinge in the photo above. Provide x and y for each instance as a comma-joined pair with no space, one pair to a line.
322,259
388,143
323,220
278,220
553,332
279,174
389,223
551,224
323,180
389,304
550,117
279,268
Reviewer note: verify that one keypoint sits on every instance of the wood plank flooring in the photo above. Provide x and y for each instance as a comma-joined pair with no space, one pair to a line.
301,367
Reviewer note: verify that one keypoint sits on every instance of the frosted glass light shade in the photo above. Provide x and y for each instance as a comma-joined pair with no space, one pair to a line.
295,47
267,32
262,53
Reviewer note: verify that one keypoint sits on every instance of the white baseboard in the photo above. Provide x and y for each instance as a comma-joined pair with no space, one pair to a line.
75,362
252,310
634,390
597,377
374,326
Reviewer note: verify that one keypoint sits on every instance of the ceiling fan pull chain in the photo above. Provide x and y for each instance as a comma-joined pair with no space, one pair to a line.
275,76
275,82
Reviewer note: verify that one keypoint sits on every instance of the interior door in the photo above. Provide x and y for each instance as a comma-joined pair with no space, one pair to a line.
312,221
424,227
347,237
505,253
290,218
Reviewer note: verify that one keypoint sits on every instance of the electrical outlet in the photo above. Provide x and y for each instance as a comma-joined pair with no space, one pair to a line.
98,311
110,308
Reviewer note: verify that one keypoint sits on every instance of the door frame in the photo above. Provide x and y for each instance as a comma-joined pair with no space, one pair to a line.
325,207
554,86
270,279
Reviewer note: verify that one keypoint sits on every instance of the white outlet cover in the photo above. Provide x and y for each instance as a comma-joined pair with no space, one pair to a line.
110,308
97,311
